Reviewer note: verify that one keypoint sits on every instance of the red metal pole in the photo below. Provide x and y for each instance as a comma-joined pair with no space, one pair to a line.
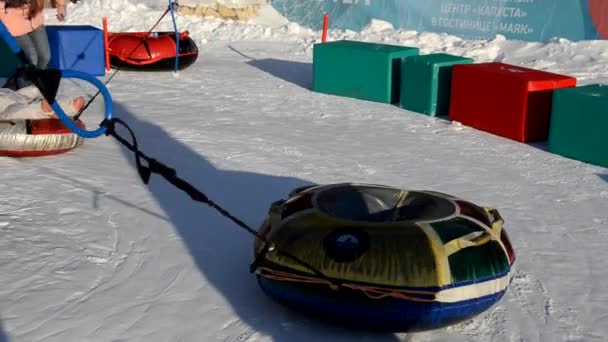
325,25
105,42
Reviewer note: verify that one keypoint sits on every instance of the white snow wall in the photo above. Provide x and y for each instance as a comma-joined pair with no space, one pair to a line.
197,3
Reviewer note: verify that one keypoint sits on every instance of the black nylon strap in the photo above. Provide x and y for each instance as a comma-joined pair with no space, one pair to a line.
154,166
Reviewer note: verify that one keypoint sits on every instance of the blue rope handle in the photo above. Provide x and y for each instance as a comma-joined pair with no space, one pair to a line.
14,46
107,98
176,67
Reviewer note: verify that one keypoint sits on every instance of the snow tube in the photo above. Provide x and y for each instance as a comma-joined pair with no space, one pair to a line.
150,52
404,261
37,137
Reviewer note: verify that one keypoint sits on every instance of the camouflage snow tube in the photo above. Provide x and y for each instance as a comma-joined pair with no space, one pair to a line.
404,260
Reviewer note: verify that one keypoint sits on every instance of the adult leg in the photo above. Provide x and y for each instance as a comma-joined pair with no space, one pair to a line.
28,46
26,43
76,105
41,42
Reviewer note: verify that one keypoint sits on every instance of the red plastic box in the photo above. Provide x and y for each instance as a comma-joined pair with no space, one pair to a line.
506,100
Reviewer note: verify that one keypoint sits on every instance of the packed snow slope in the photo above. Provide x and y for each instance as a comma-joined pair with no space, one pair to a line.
89,253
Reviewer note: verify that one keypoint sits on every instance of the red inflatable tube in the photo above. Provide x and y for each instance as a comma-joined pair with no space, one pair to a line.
156,51
37,137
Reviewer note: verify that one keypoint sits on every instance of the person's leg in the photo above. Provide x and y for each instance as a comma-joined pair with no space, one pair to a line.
26,44
41,42
76,105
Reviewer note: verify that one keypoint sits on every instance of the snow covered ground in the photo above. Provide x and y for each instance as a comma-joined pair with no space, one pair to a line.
89,253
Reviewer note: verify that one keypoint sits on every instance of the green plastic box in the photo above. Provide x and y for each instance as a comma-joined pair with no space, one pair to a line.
8,60
579,123
361,70
426,82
